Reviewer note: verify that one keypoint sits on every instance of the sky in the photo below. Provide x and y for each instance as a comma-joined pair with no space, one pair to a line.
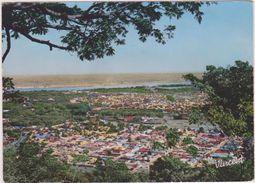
225,35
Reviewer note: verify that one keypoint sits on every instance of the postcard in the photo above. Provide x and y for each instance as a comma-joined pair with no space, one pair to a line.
127,91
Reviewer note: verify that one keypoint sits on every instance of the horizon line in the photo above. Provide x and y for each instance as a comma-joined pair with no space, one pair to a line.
124,73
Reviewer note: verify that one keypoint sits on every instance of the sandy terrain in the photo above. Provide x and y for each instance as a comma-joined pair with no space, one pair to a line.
95,79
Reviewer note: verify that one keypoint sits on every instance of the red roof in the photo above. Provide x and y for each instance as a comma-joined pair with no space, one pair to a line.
205,135
10,138
220,151
129,118
134,166
143,149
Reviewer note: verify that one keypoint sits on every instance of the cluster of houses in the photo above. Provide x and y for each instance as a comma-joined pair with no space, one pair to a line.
211,145
134,147
78,100
144,101
185,105
132,100
131,145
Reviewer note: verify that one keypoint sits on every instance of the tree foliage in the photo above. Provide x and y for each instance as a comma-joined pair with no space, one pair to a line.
187,140
95,31
192,150
195,116
30,165
80,158
238,172
230,92
170,98
158,146
116,171
111,171
170,169
172,137
79,109
9,92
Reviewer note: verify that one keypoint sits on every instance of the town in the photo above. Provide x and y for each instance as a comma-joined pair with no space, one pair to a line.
128,127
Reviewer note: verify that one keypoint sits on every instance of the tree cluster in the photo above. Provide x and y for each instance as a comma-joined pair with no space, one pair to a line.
230,92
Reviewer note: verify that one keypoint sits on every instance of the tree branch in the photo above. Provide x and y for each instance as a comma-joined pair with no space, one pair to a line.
77,16
8,40
51,45
91,7
23,5
56,27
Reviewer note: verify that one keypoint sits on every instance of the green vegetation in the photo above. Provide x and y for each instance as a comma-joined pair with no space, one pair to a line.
239,172
172,137
230,92
29,167
113,128
169,169
170,98
9,92
138,89
143,127
227,158
187,140
80,158
114,171
163,127
131,112
58,96
45,109
26,166
174,85
13,133
42,113
195,116
121,126
175,90
158,146
143,89
78,109
192,150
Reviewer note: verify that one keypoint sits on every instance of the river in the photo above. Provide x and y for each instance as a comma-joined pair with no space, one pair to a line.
70,88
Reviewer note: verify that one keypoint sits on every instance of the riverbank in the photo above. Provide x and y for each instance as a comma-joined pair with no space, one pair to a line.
130,87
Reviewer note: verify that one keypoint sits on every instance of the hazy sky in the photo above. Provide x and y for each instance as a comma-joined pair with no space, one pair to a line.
225,35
